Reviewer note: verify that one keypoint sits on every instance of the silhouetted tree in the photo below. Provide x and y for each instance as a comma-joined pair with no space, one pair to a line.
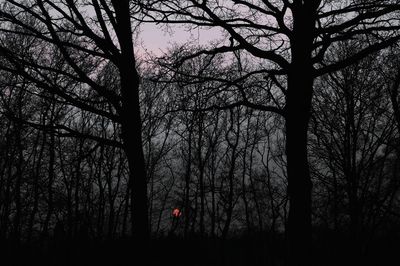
293,38
350,126
79,44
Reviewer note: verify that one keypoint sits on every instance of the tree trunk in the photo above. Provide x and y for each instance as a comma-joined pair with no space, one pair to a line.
36,177
131,124
51,150
298,106
133,147
201,163
19,174
299,181
50,185
231,174
187,182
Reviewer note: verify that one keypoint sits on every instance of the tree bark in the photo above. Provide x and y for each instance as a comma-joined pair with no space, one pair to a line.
298,106
131,124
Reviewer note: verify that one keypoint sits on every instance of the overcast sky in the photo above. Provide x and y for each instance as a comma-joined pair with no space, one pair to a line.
155,39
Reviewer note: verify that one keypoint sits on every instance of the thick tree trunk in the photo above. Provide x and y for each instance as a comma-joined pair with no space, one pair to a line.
299,94
131,124
133,147
299,182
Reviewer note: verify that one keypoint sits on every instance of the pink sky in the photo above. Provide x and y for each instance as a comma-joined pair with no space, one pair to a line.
156,39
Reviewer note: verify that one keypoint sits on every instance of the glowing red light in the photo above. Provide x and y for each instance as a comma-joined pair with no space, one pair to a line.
176,212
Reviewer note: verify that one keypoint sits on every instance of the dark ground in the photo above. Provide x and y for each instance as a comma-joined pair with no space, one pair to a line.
329,250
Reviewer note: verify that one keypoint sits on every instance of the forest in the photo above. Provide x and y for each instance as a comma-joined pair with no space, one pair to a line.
275,143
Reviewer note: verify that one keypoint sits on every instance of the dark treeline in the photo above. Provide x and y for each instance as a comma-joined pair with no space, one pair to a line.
276,144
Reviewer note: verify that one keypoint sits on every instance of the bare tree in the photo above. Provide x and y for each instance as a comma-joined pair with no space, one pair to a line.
79,40
350,130
292,38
